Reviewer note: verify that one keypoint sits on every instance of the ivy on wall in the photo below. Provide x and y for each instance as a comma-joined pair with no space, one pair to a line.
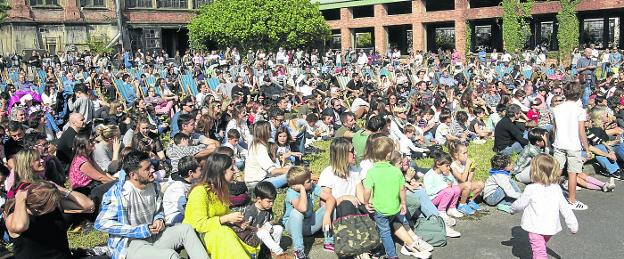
468,39
568,30
516,23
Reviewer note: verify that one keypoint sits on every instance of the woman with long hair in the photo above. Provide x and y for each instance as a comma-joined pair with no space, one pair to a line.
208,211
35,222
143,134
84,173
259,166
341,179
29,167
239,122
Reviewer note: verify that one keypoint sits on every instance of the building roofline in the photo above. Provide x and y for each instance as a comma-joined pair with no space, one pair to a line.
333,4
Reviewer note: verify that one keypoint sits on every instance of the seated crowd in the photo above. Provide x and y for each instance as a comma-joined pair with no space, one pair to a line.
162,169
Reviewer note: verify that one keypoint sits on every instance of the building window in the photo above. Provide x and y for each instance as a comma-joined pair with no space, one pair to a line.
336,42
546,34
139,3
177,4
198,3
399,8
593,31
44,3
51,45
614,32
363,11
92,3
483,36
331,14
445,38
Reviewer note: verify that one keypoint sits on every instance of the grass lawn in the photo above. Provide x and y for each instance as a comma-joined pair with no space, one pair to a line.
481,154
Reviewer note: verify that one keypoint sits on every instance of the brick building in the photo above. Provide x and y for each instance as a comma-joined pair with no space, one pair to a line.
55,25
433,24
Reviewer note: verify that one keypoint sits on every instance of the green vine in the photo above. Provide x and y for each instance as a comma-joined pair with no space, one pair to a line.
516,23
568,31
468,39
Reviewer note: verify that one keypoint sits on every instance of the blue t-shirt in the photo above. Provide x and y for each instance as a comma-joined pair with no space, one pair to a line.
292,195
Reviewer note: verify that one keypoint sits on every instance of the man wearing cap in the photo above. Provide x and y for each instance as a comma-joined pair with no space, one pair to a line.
586,67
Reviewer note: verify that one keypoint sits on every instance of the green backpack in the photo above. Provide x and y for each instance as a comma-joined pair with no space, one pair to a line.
431,229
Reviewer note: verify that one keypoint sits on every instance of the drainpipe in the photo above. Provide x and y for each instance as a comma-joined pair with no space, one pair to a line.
120,22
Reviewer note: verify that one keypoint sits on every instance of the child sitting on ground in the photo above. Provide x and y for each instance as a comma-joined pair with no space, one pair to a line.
233,137
463,170
257,217
500,190
384,189
299,216
538,143
442,188
174,198
542,202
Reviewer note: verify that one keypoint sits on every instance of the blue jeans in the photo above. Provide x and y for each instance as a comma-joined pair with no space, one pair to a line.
610,166
385,231
516,147
298,226
587,92
619,152
499,196
277,181
419,199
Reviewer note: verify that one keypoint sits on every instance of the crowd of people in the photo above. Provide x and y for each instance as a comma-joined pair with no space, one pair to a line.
191,151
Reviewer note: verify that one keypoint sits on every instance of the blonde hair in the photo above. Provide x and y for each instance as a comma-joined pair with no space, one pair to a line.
106,132
368,147
409,128
43,197
545,170
339,153
23,166
381,149
598,115
454,147
396,157
297,175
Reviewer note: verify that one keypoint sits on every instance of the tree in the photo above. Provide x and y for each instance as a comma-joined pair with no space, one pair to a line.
568,31
516,26
3,8
259,24
98,44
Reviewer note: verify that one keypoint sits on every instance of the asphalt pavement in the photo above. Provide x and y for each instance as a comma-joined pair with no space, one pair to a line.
497,234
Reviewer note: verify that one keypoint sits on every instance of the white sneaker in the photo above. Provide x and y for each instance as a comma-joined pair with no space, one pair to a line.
578,206
447,220
421,245
417,254
450,232
453,212
565,186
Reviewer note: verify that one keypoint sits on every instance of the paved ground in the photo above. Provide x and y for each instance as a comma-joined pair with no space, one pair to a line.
499,235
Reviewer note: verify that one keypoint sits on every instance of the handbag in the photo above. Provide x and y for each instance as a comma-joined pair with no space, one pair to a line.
431,229
355,234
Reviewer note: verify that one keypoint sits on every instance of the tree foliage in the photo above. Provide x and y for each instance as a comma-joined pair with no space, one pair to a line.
568,31
4,7
98,44
259,24
516,23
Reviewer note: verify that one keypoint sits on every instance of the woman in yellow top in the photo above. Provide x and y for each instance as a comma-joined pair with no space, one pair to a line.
207,210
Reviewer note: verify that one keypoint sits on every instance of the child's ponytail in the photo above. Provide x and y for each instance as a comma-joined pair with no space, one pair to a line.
454,146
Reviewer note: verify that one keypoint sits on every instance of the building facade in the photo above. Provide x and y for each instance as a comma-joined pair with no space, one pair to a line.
434,24
58,25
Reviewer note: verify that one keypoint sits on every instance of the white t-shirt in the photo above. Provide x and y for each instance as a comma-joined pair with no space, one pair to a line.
340,186
441,132
365,165
567,116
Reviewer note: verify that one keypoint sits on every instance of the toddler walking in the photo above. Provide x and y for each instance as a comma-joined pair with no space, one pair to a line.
542,202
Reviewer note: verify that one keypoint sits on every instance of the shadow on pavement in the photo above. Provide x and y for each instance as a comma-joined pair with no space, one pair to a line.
521,248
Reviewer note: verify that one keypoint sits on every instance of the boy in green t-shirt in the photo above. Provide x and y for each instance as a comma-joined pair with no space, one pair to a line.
385,183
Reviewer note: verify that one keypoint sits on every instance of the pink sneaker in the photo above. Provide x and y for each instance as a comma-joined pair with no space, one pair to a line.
328,247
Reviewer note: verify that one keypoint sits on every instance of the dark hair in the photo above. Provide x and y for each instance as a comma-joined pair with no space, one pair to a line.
274,112
512,110
213,176
445,114
224,150
500,107
81,141
30,140
572,91
478,110
461,116
132,161
265,190
15,126
375,123
283,129
312,117
178,137
536,134
233,134
80,88
441,158
500,161
184,119
186,164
